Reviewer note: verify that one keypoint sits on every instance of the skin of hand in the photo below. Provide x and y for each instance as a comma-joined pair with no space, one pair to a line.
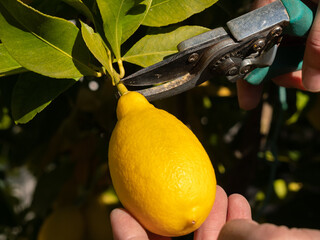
229,219
241,229
125,227
306,79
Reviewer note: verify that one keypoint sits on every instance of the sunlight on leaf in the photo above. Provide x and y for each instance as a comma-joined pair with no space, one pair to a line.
109,197
41,43
97,47
165,12
280,188
295,186
301,103
260,196
134,18
5,120
8,65
207,102
153,48
81,7
121,18
221,168
269,156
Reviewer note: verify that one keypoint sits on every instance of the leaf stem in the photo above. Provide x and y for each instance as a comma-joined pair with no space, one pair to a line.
121,68
98,74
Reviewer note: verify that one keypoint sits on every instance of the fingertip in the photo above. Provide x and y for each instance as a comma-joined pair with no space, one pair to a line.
238,207
221,192
237,229
311,65
118,215
216,219
311,78
124,226
248,95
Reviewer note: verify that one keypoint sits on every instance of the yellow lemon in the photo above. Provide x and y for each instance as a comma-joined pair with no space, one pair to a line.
160,171
64,223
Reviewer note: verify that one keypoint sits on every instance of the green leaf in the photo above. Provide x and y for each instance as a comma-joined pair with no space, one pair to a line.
301,103
153,48
8,65
134,18
5,120
97,47
44,44
280,188
121,18
165,12
81,7
33,92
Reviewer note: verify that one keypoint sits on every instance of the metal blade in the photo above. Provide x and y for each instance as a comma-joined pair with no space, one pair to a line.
178,65
200,73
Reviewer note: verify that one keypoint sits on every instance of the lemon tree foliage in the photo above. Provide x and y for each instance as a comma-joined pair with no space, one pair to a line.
55,49
41,90
121,19
8,65
165,12
96,45
154,47
81,7
61,48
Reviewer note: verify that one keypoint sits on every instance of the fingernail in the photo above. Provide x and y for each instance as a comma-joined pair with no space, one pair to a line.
311,79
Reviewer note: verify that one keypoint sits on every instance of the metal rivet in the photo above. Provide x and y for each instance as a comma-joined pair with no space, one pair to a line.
259,44
245,69
232,71
193,57
276,32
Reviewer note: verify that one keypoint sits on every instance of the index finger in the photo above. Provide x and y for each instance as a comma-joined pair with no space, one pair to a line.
311,63
210,229
125,227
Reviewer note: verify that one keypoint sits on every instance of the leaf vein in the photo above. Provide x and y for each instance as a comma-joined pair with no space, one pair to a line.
44,40
149,54
160,3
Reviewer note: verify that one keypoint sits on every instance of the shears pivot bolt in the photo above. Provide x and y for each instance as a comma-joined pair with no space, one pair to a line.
193,57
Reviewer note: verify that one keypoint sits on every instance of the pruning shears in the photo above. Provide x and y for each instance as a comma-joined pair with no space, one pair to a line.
245,49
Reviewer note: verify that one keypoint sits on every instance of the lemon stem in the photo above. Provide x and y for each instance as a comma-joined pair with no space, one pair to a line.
122,88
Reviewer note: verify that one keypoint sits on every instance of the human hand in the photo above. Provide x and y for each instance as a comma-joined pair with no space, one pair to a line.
241,229
307,79
225,208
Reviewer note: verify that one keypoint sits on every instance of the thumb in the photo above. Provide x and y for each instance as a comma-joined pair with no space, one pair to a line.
311,63
239,229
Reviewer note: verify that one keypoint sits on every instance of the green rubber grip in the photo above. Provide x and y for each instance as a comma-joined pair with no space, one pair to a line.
301,17
288,59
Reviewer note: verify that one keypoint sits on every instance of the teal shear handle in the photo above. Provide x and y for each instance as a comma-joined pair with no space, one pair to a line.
288,59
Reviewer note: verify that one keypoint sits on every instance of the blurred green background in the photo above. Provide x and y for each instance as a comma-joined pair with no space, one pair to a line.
269,154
